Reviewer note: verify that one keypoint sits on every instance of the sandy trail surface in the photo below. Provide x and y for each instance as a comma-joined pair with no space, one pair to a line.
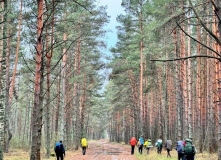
103,150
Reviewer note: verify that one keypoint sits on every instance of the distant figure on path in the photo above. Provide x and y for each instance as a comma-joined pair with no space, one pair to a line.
159,145
141,145
168,146
133,142
59,150
149,145
83,145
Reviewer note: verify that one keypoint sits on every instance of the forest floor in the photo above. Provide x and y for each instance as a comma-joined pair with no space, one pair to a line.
103,150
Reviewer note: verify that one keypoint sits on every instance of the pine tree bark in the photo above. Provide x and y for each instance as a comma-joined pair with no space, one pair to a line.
16,57
38,99
189,84
8,134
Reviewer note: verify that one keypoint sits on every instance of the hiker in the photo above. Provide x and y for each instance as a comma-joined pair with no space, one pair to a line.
83,145
159,145
133,142
145,143
149,145
141,145
168,146
188,150
59,150
179,149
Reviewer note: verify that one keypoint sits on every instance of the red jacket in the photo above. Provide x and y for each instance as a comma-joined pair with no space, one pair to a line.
133,141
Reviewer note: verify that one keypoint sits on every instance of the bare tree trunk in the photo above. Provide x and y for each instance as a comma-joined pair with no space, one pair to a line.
8,134
38,99
178,90
16,58
190,84
141,72
62,130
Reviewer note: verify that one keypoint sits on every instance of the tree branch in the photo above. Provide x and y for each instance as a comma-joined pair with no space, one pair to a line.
185,58
204,26
217,53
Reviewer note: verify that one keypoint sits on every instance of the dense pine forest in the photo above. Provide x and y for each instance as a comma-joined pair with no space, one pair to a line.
60,81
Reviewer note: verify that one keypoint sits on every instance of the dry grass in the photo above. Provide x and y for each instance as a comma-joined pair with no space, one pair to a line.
22,155
154,156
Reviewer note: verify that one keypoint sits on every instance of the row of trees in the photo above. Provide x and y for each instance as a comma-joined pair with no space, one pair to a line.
49,79
179,98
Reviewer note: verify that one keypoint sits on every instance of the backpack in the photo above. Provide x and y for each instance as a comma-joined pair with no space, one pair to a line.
169,145
149,144
133,141
58,148
188,148
84,142
159,144
179,146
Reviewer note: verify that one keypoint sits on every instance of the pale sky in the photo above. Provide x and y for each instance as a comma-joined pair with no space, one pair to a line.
114,9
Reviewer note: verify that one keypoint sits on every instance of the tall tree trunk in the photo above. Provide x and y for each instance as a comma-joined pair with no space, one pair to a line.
189,84
38,99
178,88
141,71
77,138
16,58
218,13
49,56
63,73
8,134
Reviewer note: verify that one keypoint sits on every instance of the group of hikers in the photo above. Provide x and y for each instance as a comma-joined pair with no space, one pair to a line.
60,150
185,149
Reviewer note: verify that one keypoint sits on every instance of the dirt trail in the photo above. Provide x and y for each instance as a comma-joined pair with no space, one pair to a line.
103,150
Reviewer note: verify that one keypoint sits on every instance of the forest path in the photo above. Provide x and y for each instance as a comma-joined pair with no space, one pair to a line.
103,150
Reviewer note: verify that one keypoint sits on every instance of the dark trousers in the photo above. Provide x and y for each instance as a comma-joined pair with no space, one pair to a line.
59,156
141,149
188,157
148,150
83,150
180,156
168,153
132,150
159,149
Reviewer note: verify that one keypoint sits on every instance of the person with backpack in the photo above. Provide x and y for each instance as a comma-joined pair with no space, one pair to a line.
188,150
141,145
133,142
159,145
83,145
179,148
59,150
168,146
149,145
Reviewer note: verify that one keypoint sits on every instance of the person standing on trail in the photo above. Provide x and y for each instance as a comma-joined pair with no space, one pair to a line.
141,145
149,145
159,145
168,146
59,150
133,142
83,145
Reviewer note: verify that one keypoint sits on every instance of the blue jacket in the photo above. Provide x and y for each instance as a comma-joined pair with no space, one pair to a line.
141,140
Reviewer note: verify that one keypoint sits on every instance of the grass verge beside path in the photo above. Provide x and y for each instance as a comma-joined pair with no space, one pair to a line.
154,156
